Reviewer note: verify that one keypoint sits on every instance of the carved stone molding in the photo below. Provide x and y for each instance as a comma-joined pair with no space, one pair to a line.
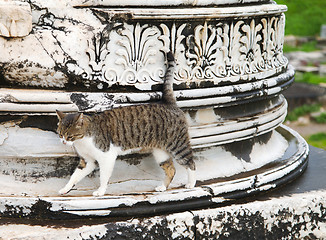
215,51
125,47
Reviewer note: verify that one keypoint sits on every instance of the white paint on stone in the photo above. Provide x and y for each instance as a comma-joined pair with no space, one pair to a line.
200,12
3,134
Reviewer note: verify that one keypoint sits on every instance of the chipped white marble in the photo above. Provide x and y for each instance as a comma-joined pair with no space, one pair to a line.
302,209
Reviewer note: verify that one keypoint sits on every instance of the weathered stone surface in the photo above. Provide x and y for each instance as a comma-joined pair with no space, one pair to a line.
299,216
90,48
15,19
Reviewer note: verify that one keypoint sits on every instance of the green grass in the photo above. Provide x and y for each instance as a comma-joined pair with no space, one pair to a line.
302,110
317,140
304,17
309,77
305,47
321,118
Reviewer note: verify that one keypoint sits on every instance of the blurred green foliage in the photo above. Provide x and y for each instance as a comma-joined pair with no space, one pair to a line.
302,110
304,17
305,47
317,140
309,77
321,118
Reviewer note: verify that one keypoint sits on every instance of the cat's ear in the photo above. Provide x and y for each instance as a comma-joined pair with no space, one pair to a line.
80,120
60,114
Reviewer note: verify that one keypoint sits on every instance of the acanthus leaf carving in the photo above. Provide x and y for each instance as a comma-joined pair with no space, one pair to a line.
251,53
214,51
136,54
97,52
173,41
202,53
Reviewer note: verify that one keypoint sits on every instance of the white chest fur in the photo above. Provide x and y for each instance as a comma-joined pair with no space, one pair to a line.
86,148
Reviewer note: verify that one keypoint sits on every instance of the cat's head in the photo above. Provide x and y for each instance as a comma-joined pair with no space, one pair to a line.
70,126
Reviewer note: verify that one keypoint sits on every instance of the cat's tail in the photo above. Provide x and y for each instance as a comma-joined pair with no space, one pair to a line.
167,93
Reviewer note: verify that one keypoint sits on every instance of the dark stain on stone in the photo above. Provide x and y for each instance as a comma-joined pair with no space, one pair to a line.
46,123
40,209
248,226
159,230
243,149
80,100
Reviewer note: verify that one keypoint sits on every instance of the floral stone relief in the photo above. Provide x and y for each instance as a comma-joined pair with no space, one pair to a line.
119,53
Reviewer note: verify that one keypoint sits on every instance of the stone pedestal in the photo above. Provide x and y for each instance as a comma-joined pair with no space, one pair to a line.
91,56
296,211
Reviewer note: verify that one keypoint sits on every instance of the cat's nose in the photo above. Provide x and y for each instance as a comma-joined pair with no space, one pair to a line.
63,141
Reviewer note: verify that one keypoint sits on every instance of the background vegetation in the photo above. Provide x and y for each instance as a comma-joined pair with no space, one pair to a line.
308,77
302,111
305,47
317,140
304,17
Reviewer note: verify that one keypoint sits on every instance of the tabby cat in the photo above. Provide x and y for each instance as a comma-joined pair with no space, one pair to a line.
160,128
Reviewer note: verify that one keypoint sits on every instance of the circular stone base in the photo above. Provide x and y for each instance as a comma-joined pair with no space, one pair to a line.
266,170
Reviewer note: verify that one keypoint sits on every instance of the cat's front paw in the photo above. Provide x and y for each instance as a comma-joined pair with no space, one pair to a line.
160,188
190,185
99,193
64,191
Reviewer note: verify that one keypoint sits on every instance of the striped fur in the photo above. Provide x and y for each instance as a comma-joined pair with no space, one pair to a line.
168,95
149,126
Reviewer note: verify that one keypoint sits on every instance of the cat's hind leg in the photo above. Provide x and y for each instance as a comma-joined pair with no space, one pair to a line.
191,178
84,168
166,163
184,156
